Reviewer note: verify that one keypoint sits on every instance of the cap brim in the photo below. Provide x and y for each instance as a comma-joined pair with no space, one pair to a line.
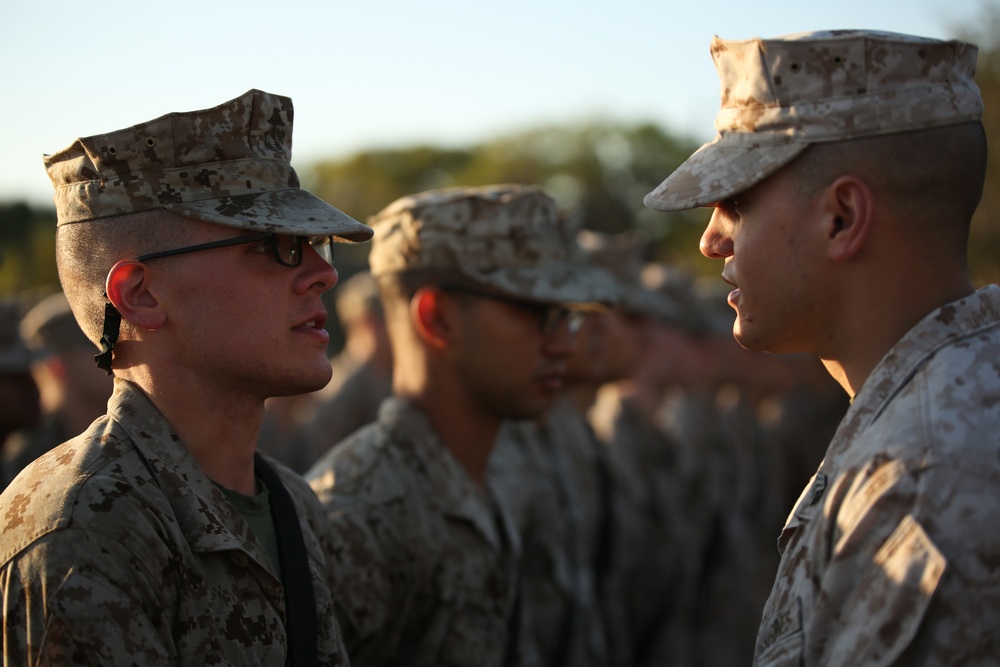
561,282
720,169
290,211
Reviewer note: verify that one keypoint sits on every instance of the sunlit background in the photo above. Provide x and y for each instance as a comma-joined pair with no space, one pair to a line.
596,101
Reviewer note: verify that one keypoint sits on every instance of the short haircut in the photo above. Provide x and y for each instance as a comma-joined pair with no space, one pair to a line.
86,251
933,177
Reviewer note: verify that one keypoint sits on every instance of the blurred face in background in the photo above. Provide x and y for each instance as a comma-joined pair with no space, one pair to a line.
20,406
610,347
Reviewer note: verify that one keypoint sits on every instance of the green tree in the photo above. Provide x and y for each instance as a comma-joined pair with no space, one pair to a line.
599,172
984,246
27,248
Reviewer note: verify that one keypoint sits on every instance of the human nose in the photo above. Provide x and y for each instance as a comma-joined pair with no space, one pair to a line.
561,341
317,273
717,240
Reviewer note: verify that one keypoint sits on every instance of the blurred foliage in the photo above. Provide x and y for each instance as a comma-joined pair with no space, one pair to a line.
984,244
597,173
27,242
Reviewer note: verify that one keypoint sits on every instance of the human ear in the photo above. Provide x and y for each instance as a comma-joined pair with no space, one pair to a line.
127,287
428,316
849,214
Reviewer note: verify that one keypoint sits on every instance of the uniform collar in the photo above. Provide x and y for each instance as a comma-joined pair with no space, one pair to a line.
209,522
953,321
456,494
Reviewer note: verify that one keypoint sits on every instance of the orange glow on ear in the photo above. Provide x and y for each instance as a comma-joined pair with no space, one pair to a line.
428,317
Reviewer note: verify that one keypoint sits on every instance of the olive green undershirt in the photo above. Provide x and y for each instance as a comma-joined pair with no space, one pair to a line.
256,511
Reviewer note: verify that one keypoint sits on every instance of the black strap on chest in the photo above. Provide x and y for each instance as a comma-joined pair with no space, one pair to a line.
300,603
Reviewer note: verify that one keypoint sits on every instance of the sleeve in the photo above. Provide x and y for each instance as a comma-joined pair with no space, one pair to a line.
77,597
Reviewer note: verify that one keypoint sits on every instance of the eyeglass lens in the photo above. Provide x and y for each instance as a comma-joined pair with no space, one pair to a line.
288,248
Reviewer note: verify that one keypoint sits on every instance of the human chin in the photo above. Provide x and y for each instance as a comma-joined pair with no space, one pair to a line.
307,376
744,332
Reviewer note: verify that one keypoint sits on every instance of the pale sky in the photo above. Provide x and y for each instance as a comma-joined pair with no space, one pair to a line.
386,73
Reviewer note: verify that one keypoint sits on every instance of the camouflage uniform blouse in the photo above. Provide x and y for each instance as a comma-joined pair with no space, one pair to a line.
532,474
426,562
117,550
892,553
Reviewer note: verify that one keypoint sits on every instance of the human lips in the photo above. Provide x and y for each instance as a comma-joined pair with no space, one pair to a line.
735,293
314,325
553,379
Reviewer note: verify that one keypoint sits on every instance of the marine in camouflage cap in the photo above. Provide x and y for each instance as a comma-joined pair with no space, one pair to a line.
781,95
160,534
844,179
509,238
475,284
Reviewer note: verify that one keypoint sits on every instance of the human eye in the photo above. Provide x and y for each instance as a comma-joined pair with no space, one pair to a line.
263,246
730,205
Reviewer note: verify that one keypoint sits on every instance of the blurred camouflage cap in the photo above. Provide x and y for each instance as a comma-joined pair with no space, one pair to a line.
15,357
506,237
622,256
781,95
229,165
50,326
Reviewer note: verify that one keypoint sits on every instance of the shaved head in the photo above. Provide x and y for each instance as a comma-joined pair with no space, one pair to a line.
86,251
930,179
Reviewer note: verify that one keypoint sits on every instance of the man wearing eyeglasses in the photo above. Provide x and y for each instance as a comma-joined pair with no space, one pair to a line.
481,299
190,256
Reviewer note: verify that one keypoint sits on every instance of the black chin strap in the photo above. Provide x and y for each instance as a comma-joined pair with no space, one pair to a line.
109,336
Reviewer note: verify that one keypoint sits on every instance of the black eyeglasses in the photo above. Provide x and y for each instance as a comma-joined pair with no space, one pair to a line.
550,316
286,247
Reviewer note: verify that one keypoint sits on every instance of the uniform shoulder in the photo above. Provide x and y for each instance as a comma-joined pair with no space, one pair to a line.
960,388
94,481
369,466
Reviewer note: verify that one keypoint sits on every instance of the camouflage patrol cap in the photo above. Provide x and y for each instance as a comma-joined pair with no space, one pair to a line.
621,256
228,165
50,326
781,95
505,237
15,357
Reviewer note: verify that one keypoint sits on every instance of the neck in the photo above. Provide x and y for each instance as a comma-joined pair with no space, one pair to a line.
872,326
466,430
470,438
219,429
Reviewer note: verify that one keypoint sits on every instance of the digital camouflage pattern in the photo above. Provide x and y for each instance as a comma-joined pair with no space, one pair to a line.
425,564
25,445
532,475
655,557
891,553
507,237
117,550
229,165
780,95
